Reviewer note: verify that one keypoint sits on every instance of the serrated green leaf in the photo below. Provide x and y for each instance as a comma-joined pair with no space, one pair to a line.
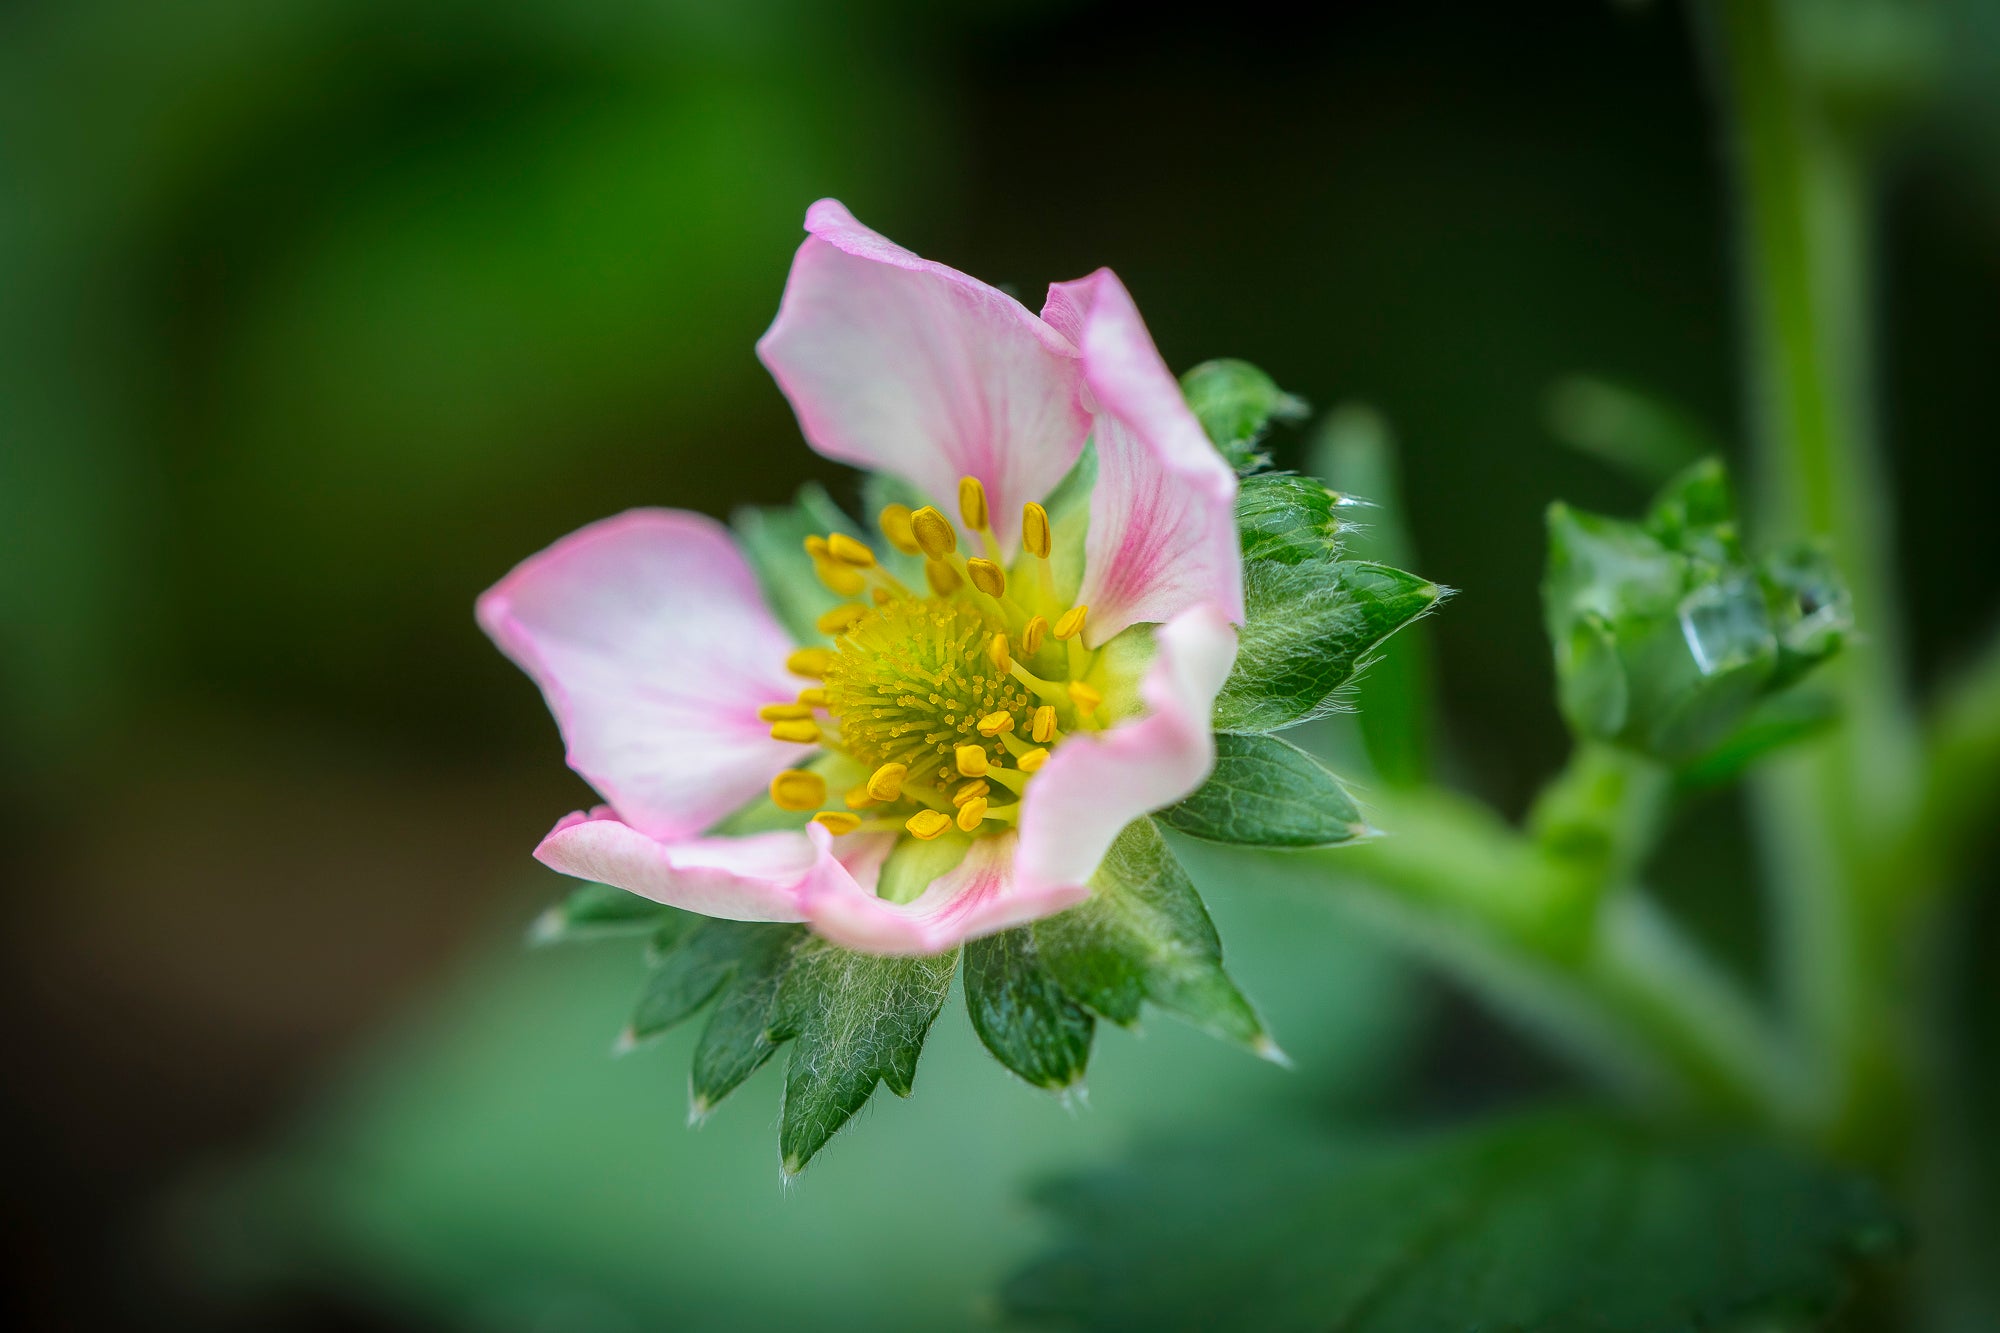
1143,935
736,1040
773,540
598,911
1285,517
1264,792
1568,1222
1308,630
855,1020
687,974
1022,1014
1236,404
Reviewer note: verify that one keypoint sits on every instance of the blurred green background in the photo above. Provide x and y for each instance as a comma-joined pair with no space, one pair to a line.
316,315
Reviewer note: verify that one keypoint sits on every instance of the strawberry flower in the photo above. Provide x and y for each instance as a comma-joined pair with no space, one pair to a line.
961,746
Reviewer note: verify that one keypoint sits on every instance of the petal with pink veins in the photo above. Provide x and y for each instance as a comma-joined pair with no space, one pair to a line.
753,878
1094,784
1162,532
651,642
902,365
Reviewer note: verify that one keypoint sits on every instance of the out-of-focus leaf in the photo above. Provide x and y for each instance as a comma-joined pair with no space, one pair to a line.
1236,404
1641,435
1143,935
1567,1222
773,539
1308,630
1022,1014
595,911
1264,792
855,1020
1288,518
1781,720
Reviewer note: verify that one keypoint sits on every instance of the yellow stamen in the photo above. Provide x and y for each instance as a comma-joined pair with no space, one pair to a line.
843,579
841,619
1071,623
972,503
1044,729
802,732
971,760
837,822
858,798
1035,530
1084,697
796,789
933,532
996,651
895,524
817,548
972,814
848,551
927,824
988,577
1032,761
995,723
967,790
886,782
814,697
809,662
944,580
881,596
1036,630
784,712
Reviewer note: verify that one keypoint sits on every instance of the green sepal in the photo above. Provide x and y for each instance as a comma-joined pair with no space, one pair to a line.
1288,518
1143,935
855,1020
773,539
1308,630
688,971
736,1041
1236,404
1022,1013
598,911
1264,792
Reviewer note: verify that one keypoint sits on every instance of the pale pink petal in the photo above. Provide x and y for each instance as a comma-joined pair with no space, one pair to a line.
980,896
754,878
1094,784
1163,515
654,649
905,366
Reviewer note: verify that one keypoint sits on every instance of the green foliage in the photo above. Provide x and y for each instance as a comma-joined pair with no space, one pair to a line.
1236,404
1022,1013
1265,792
1563,1222
1309,629
1666,635
1143,934
1288,518
596,910
773,539
1633,431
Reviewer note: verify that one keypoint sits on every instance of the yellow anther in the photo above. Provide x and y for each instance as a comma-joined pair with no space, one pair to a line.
972,503
944,580
857,798
933,532
972,814
809,662
1044,728
843,579
1083,696
802,732
784,712
967,790
927,824
1033,760
841,619
796,789
988,577
813,698
996,652
971,760
848,551
837,822
995,723
1071,623
817,548
1035,529
895,524
881,596
886,782
1032,635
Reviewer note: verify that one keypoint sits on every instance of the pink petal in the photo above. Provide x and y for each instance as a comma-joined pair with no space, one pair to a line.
1163,515
905,366
754,878
980,896
654,649
1095,784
